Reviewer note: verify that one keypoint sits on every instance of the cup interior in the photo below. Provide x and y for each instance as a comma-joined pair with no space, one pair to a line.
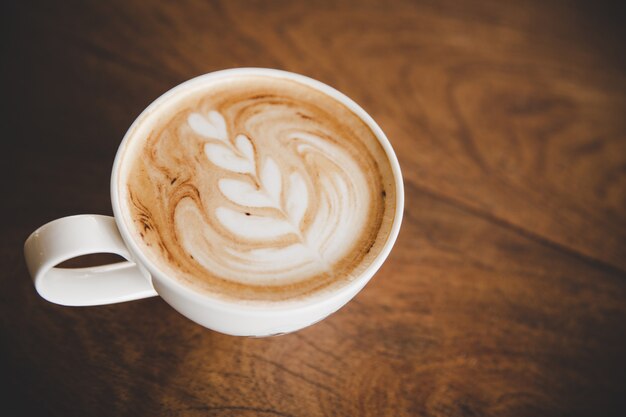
142,124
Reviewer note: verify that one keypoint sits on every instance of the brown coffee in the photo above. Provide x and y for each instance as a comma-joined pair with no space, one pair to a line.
257,188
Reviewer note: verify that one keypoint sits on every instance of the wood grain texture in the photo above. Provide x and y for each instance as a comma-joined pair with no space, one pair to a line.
505,294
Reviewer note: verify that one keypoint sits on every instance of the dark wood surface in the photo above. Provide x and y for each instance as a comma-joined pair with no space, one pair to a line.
506,292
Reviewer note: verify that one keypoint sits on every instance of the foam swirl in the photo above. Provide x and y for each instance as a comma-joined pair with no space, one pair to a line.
260,189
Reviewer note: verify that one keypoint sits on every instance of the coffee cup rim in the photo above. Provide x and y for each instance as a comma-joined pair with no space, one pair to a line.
271,306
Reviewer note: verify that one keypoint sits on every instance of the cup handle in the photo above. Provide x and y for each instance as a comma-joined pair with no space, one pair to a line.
73,236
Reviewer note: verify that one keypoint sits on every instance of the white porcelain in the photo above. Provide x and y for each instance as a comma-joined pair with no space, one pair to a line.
74,236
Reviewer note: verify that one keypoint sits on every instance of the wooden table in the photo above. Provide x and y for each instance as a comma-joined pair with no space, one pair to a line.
506,292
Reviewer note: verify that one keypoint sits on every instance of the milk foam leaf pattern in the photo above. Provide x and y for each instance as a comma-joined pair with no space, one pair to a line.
244,145
297,199
244,193
271,179
261,190
252,227
213,126
225,158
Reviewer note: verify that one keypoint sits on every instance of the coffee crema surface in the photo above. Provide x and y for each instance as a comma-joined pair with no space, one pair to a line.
257,188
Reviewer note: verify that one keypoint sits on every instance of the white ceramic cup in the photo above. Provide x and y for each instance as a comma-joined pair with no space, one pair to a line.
74,236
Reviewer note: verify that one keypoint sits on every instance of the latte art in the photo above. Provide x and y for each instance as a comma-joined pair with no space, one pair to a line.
260,189
268,207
